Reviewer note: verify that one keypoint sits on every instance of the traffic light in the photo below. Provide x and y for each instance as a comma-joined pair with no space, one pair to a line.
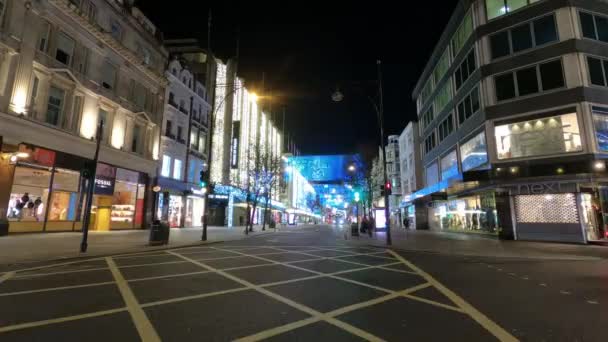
389,188
202,181
357,197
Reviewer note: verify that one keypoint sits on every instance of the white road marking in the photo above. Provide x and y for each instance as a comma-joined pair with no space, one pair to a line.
565,292
482,319
6,276
353,330
59,320
34,275
142,323
167,276
6,294
199,296
543,284
595,302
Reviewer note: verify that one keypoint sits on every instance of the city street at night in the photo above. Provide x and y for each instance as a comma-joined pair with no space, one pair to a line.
304,284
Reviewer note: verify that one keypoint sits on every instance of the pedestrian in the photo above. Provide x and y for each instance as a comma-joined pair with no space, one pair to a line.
406,223
371,228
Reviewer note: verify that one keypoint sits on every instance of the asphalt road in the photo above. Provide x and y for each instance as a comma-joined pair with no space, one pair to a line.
308,284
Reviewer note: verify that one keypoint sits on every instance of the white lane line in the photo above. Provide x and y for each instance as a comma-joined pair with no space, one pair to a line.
6,294
158,263
34,275
167,276
6,276
140,256
594,302
331,315
202,295
432,302
353,330
543,284
320,273
479,317
565,292
59,320
142,323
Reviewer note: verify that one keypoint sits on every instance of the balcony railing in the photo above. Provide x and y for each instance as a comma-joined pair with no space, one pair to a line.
183,110
98,32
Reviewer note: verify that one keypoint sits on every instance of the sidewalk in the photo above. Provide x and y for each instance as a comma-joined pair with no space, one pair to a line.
28,248
481,245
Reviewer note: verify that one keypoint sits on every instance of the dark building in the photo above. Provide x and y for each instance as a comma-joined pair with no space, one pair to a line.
513,113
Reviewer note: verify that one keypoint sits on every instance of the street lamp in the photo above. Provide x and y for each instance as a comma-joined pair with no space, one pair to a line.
337,96
352,168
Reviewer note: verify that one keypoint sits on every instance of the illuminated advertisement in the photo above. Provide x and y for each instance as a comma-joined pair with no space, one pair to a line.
380,218
324,168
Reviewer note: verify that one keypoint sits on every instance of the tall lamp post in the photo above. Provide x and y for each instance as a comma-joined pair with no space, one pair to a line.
337,96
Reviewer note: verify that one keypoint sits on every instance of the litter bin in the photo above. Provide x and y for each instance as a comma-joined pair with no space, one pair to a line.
3,227
159,233
354,229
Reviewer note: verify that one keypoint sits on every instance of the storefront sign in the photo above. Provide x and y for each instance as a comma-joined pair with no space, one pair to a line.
104,186
543,188
37,155
218,196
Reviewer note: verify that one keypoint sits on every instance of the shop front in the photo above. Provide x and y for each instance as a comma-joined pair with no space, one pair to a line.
46,194
181,204
472,214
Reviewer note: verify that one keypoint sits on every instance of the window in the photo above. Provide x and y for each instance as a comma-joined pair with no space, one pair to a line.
521,37
530,80
83,63
598,71
462,33
473,153
192,171
166,167
77,112
443,97
116,29
92,12
449,165
202,139
429,143
468,106
594,26
2,8
465,69
442,66
498,8
600,122
177,169
43,40
35,85
172,99
432,174
169,129
525,36
194,138
427,118
499,44
65,49
527,83
108,75
54,106
135,145
179,133
545,136
426,91
103,116
446,127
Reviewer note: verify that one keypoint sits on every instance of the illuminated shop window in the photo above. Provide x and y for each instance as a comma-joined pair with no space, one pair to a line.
538,137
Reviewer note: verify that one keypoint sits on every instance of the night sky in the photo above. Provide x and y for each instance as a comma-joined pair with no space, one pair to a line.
306,52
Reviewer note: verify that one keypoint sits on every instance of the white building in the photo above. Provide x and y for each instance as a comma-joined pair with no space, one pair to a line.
411,172
183,145
66,66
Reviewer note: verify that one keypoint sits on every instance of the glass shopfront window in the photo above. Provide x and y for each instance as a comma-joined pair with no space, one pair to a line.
469,214
64,199
449,165
538,137
432,174
125,198
600,122
474,152
175,211
29,194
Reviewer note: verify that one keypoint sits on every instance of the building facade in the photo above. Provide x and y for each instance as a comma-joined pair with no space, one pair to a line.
184,143
393,171
65,67
246,150
411,173
512,110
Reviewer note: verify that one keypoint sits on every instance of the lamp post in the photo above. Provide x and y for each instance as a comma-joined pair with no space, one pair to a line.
337,96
